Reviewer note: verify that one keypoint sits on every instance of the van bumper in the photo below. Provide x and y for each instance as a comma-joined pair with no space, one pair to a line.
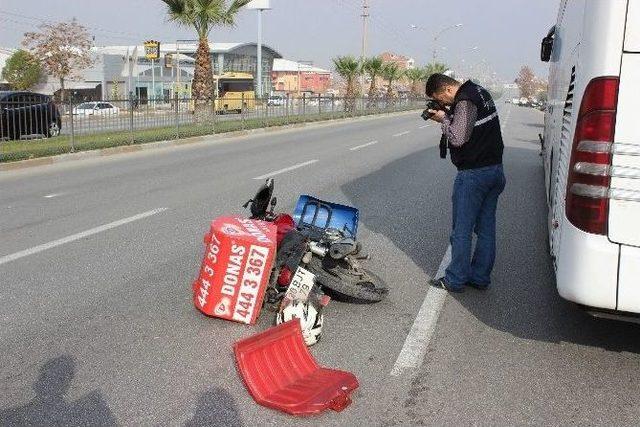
587,268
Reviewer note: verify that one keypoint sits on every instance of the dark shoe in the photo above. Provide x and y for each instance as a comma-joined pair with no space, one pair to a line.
441,283
477,286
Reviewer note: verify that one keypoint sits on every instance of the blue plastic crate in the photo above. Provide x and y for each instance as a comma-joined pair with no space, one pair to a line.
311,212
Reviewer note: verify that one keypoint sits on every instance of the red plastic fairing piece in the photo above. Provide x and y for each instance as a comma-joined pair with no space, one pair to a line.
280,373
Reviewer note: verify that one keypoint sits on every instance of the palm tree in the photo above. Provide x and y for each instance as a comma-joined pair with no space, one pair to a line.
349,69
391,72
416,76
435,68
373,67
203,16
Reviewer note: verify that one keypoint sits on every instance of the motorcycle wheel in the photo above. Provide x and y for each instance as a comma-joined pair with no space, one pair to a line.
343,283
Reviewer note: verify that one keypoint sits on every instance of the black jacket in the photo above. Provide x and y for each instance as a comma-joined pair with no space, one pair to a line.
485,146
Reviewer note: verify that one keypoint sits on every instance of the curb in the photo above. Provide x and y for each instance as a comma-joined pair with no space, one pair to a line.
124,149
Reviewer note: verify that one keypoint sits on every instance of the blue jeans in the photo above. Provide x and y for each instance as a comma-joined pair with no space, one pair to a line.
475,199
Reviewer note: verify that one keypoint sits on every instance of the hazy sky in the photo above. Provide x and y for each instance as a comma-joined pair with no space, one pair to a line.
506,32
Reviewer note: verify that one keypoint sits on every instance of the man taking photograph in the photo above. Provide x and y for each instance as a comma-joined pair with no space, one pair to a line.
472,128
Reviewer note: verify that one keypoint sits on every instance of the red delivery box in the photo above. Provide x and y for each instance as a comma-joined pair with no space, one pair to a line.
236,268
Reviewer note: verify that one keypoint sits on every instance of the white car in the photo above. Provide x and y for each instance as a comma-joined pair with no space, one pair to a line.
96,108
592,154
275,101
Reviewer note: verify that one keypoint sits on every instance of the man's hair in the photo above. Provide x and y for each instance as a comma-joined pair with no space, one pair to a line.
437,83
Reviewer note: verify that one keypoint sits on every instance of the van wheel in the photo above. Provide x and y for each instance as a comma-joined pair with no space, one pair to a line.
53,130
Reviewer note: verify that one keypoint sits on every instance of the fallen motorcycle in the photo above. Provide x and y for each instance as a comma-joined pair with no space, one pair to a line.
320,237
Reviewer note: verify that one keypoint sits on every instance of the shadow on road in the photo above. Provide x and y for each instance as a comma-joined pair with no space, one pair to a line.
216,407
49,406
408,201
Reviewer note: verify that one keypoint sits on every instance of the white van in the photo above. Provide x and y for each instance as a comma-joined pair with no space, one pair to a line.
591,153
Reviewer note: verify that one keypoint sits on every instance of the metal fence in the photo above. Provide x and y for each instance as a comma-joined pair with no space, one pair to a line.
135,120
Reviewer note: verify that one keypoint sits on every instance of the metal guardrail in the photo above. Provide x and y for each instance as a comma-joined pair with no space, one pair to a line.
33,116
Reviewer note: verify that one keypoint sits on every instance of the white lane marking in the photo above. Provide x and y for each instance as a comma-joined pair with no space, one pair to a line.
51,196
402,134
358,147
415,346
78,236
424,126
506,120
290,168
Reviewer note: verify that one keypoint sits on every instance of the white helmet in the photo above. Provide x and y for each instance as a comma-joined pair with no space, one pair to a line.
310,319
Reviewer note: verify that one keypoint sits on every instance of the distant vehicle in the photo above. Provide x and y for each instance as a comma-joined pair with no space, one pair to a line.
234,92
591,150
515,101
275,101
96,109
28,113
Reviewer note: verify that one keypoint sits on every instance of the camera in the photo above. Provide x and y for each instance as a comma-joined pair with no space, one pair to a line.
431,105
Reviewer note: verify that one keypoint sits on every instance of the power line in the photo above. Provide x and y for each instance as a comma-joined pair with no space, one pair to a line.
381,24
122,34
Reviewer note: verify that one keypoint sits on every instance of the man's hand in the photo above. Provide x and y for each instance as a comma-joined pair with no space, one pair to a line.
437,115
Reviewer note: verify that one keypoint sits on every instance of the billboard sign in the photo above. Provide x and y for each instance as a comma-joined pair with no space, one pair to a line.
152,49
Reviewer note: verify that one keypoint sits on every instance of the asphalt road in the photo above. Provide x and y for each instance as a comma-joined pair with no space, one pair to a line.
101,329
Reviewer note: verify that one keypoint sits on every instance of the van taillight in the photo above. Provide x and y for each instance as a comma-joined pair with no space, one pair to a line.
587,204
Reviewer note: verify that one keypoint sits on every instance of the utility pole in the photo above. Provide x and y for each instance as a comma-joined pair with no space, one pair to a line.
259,54
365,18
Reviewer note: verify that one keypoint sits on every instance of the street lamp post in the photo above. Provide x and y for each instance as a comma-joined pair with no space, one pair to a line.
436,36
177,62
260,6
464,66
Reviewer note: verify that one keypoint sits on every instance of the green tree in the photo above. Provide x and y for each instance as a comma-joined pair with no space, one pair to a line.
22,70
115,89
373,67
417,76
434,68
349,69
391,72
203,16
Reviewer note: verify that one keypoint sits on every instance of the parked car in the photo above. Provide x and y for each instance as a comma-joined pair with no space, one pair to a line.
95,109
275,101
591,151
28,113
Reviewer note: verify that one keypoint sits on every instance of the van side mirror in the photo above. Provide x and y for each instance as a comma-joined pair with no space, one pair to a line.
546,48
